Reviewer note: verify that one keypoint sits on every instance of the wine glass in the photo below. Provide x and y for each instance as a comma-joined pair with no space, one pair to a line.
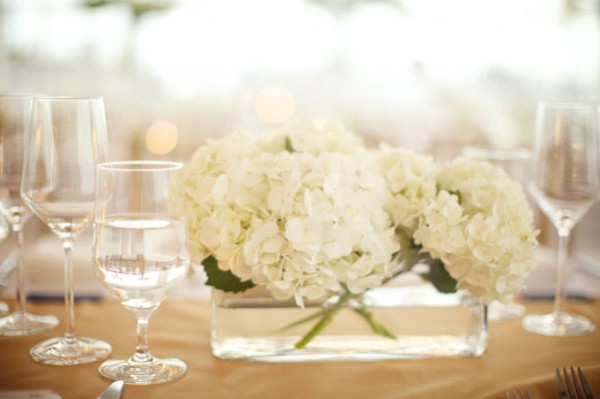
565,182
140,255
15,110
66,139
514,161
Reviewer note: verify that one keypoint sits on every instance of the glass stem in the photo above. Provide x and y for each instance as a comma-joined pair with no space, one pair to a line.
69,294
142,354
564,233
21,270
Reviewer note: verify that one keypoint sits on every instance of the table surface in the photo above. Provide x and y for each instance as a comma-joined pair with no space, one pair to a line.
181,328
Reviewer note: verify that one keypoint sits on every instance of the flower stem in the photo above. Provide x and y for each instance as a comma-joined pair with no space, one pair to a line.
328,315
303,320
376,326
406,260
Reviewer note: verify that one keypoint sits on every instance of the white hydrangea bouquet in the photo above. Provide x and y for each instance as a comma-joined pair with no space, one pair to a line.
308,211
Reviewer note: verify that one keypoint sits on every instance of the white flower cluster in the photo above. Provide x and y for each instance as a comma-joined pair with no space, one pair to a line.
300,223
308,210
411,180
480,226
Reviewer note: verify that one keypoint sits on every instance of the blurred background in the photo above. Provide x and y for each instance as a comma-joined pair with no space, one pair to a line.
431,75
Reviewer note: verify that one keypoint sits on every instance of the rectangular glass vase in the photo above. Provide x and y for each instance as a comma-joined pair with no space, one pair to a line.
254,326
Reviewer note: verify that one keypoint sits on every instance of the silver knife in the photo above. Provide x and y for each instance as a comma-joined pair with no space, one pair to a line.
113,391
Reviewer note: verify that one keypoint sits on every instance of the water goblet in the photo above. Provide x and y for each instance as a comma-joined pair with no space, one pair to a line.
565,182
15,111
66,139
140,255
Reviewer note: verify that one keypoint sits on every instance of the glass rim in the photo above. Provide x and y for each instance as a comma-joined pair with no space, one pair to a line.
139,166
46,97
21,95
566,104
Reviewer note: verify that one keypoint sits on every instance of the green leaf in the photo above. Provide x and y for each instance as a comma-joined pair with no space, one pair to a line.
439,277
223,280
98,3
289,147
404,238
458,194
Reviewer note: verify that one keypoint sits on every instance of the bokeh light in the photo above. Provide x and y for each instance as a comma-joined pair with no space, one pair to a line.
162,137
275,104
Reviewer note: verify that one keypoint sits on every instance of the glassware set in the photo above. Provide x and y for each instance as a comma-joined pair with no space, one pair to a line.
53,160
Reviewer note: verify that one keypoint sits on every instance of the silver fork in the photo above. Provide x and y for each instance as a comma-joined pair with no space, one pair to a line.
520,394
573,385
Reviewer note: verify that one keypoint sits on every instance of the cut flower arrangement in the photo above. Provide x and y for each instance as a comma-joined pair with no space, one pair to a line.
308,212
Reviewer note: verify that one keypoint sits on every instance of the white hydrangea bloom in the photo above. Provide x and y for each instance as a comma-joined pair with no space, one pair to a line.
302,224
411,180
309,222
480,226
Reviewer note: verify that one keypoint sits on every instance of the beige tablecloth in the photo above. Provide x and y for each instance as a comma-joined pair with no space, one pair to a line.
180,328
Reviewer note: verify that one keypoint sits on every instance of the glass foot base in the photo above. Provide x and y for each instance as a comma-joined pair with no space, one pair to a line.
65,351
560,324
3,309
20,323
155,371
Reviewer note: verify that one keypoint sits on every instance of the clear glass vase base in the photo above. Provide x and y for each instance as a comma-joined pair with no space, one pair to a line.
558,324
420,323
157,371
19,324
347,348
70,351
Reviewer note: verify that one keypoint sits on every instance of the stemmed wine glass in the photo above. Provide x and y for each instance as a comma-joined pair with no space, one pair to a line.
66,139
15,110
565,182
139,255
